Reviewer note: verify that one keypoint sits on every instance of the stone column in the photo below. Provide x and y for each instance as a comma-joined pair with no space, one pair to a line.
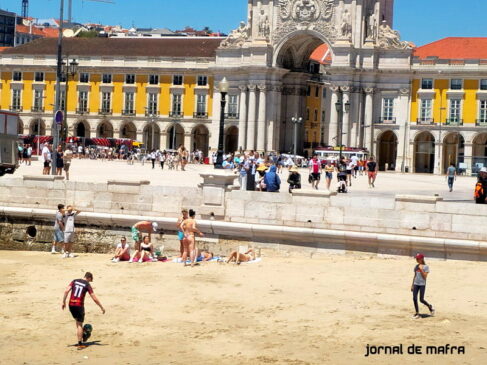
346,117
402,119
140,136
163,141
261,126
188,141
438,157
215,125
278,124
468,157
369,110
333,125
242,123
251,118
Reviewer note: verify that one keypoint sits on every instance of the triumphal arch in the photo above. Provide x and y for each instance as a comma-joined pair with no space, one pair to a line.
267,62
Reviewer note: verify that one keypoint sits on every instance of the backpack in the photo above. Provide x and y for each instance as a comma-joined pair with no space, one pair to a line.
479,191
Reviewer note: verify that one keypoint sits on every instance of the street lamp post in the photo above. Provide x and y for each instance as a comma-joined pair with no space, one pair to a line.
296,121
54,127
340,108
223,86
68,69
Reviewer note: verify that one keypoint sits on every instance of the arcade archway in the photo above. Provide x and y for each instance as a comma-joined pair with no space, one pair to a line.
37,127
105,130
424,153
82,129
201,139
128,131
479,152
453,150
387,151
231,139
152,136
175,136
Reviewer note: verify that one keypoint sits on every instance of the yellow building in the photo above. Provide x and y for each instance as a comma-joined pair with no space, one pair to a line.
449,105
159,91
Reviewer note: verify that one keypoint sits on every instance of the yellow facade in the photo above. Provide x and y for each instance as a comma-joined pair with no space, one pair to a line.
313,115
441,97
95,88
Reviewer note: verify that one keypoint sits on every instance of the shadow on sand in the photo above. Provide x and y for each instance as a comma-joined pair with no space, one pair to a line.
89,344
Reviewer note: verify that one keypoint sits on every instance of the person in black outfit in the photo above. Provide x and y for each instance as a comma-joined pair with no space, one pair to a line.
481,186
294,179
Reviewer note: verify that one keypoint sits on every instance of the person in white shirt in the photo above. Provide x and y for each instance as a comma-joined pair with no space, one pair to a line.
46,158
122,251
69,216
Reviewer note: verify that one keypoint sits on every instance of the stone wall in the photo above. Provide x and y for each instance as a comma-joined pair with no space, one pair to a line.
217,199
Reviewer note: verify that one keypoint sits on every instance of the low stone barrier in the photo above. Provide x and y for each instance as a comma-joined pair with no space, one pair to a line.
263,236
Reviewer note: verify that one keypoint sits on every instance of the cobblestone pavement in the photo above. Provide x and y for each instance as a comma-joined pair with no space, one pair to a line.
387,184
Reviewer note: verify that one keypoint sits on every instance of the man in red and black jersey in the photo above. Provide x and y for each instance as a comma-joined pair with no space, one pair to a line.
78,289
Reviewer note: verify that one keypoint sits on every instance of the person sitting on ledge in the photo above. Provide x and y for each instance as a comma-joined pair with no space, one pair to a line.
122,252
241,257
146,252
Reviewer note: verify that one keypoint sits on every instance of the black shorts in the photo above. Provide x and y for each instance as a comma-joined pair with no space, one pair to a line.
349,172
316,176
78,313
47,164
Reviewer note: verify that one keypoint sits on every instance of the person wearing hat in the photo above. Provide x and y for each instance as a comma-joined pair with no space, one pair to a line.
294,179
481,186
421,271
259,178
142,226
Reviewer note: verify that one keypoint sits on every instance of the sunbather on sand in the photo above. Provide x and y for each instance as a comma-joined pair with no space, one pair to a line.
241,257
204,255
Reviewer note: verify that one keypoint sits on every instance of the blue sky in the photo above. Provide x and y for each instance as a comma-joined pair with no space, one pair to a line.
419,21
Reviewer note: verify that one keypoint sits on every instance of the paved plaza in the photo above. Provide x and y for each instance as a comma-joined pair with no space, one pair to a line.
387,184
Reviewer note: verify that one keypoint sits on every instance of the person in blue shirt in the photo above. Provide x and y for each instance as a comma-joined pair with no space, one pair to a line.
272,180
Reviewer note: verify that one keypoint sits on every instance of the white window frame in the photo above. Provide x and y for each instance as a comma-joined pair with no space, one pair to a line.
21,76
483,111
235,104
84,110
181,103
16,106
103,101
156,76
432,83
38,99
125,101
198,104
150,110
426,118
388,110
130,83
455,114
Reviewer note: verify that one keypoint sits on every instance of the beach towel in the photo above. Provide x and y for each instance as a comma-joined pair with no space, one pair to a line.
178,260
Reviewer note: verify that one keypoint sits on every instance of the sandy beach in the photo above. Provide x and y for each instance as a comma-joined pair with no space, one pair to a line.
283,310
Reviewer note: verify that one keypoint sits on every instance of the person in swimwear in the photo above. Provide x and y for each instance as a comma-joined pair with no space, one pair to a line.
204,255
138,228
189,229
184,216
146,252
241,257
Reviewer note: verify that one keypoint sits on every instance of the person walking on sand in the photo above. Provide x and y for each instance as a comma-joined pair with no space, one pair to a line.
421,271
78,289
189,229
451,175
372,171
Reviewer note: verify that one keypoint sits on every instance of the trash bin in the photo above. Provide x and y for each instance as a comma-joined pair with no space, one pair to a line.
207,160
406,169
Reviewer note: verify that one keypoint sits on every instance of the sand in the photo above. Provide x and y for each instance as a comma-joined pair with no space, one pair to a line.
283,310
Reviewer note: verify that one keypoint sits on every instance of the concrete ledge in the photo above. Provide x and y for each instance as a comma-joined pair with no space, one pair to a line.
128,182
291,237
314,193
432,199
42,178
